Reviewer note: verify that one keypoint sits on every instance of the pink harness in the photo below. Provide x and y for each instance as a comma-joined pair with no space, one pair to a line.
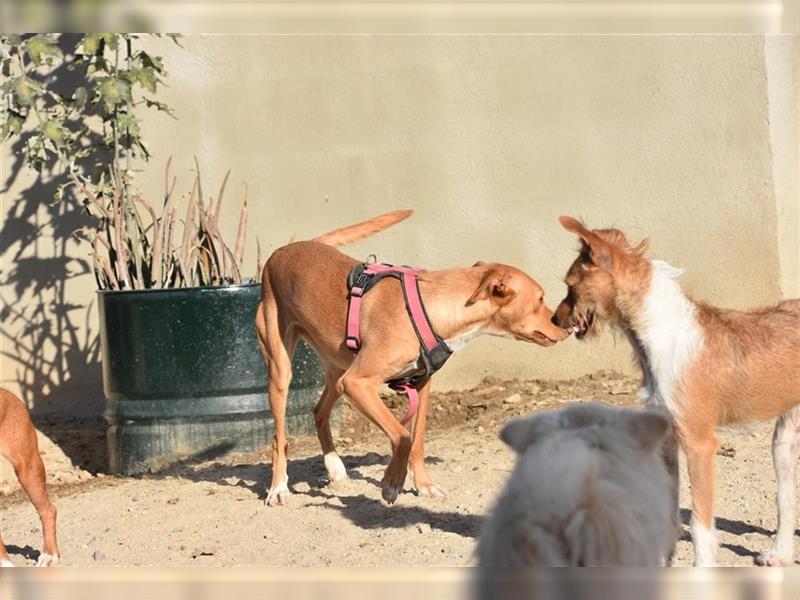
433,350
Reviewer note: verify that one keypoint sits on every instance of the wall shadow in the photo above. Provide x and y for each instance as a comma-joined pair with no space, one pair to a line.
51,342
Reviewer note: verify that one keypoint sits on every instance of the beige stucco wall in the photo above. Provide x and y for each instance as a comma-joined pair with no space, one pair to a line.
690,141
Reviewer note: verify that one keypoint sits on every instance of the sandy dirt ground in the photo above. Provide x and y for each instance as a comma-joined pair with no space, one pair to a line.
213,512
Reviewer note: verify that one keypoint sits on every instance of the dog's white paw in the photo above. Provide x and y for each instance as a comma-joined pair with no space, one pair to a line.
279,495
704,540
48,560
431,491
335,467
772,558
6,563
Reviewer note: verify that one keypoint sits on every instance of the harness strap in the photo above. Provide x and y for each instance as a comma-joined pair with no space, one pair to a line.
357,290
353,341
417,312
434,352
413,402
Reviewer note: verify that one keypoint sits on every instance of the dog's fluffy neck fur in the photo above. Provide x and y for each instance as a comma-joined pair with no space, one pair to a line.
663,329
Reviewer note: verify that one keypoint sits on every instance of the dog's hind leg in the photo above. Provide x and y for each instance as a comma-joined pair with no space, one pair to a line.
416,459
277,348
31,474
5,559
700,449
322,414
785,450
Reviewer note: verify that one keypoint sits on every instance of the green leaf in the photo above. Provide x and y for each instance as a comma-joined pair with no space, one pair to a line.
114,91
147,79
39,48
91,43
112,40
59,194
154,62
24,91
158,106
128,123
54,130
50,145
13,124
35,153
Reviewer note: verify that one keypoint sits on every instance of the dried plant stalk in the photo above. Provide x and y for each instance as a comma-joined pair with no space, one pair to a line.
157,260
215,206
259,260
128,253
201,202
241,232
122,263
189,229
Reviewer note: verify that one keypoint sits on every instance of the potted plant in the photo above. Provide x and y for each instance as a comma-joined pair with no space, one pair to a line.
182,372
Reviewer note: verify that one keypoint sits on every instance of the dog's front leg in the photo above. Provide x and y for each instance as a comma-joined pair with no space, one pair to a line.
363,393
700,449
785,450
416,459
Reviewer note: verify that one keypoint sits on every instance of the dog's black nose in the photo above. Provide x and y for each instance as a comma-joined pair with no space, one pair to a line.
554,320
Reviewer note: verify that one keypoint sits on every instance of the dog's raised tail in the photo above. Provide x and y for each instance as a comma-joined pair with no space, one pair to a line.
353,233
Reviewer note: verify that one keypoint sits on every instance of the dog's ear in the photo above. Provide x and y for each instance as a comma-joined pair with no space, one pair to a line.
649,428
493,286
573,225
518,434
599,250
480,263
600,253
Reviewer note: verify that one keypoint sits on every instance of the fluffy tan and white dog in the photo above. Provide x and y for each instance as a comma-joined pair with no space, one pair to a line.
590,488
708,366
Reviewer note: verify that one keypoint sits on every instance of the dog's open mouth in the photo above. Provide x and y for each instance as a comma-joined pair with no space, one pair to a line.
584,324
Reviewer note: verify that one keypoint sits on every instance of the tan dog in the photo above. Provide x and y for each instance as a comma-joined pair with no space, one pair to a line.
708,366
18,444
590,488
304,296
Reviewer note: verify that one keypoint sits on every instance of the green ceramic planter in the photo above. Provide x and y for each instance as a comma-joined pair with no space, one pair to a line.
183,376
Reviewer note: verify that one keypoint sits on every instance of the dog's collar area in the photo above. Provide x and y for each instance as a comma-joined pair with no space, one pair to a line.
433,351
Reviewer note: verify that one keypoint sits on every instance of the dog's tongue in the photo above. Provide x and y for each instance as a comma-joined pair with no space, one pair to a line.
580,328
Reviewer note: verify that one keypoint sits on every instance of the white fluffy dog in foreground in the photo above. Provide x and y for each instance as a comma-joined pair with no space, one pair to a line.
593,486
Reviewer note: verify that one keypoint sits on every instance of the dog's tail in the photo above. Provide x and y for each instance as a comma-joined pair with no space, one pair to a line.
353,233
